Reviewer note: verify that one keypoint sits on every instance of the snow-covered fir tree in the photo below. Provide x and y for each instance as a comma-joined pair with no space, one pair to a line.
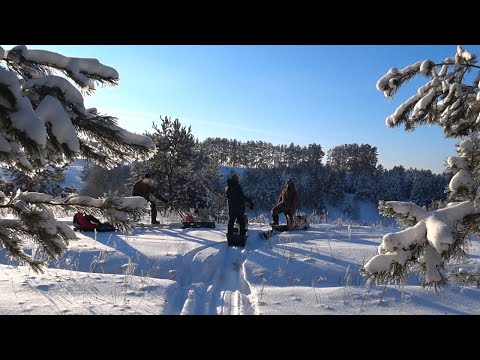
44,122
366,186
426,187
392,184
434,239
263,186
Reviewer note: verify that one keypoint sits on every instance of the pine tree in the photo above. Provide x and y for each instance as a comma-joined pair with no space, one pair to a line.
181,170
364,159
336,185
353,158
43,122
434,239
367,186
314,154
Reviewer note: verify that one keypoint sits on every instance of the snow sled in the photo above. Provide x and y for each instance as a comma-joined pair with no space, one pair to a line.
277,230
198,224
148,226
280,228
299,223
236,239
203,222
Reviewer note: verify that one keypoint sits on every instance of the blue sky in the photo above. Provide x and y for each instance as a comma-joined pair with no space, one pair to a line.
281,94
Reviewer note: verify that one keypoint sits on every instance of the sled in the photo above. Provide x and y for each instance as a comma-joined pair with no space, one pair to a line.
277,229
280,228
149,226
106,227
236,239
198,224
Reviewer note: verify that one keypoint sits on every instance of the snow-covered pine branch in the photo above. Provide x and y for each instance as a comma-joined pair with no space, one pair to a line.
430,242
44,122
465,277
406,212
43,114
38,63
434,239
444,100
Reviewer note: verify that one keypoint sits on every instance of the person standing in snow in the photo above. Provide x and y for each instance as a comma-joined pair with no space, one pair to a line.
236,204
287,203
144,188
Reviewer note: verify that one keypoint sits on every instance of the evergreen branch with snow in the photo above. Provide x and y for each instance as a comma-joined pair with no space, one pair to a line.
465,277
406,213
434,239
445,100
36,219
7,99
82,71
107,144
44,123
13,246
438,238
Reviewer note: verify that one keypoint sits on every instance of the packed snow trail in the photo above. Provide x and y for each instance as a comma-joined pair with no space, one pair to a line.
195,272
217,282
231,294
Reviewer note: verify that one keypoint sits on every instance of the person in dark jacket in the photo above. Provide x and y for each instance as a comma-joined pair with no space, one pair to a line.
287,203
144,188
236,204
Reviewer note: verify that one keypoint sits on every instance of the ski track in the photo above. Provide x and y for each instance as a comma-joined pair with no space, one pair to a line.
194,272
227,292
210,278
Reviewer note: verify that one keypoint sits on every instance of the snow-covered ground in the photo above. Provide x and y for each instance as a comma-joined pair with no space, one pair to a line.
193,271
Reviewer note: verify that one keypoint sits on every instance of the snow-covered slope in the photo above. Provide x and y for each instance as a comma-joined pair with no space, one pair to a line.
362,211
73,175
193,271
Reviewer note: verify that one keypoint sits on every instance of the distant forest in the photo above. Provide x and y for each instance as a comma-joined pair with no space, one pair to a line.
187,169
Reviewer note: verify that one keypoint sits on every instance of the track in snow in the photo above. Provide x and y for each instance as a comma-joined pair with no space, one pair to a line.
214,281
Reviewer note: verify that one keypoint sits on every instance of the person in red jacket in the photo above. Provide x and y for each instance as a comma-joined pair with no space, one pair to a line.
84,222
